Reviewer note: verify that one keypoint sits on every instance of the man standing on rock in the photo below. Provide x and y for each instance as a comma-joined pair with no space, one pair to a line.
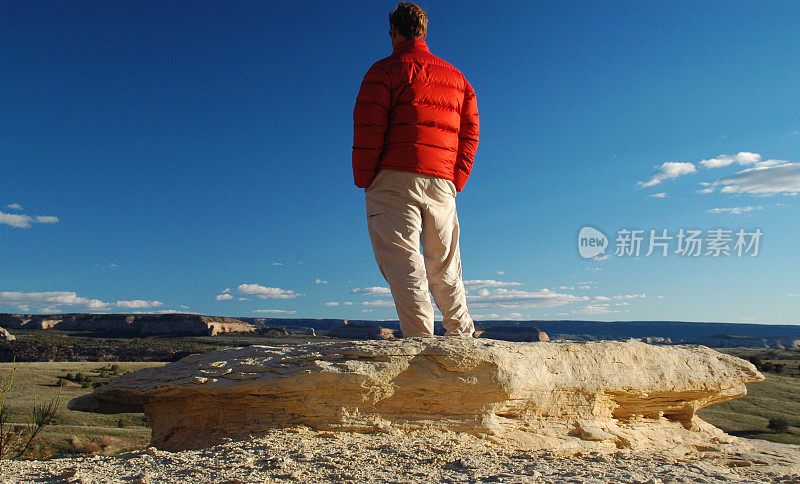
415,133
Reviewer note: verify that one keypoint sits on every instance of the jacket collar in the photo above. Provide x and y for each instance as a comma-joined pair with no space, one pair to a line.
411,46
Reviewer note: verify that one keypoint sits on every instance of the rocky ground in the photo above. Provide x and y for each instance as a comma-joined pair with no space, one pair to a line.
305,455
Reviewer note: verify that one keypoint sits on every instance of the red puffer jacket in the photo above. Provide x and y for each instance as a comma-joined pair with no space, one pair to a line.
414,112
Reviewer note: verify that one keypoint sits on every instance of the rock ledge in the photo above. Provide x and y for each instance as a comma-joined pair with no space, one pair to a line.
570,397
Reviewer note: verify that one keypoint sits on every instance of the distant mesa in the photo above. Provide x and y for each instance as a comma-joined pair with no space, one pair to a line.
513,333
177,324
6,336
356,331
569,397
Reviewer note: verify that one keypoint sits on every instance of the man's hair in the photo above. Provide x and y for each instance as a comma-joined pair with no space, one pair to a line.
409,20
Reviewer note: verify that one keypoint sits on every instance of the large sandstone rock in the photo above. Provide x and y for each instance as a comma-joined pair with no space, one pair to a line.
6,336
568,397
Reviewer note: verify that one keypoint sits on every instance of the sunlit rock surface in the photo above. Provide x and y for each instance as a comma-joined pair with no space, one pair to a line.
570,397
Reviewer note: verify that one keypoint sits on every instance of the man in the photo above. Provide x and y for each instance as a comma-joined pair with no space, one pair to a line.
415,127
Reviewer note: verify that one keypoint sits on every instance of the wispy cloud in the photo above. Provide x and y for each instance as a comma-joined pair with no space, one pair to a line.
669,170
378,303
14,206
25,301
742,158
594,309
22,221
331,303
224,297
517,299
371,290
137,304
274,311
766,180
509,316
734,210
320,281
477,283
268,292
658,195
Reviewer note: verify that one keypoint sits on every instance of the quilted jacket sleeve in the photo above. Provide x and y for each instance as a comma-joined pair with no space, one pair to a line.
370,122
467,138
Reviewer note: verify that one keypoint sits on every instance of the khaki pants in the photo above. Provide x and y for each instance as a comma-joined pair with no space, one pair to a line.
401,207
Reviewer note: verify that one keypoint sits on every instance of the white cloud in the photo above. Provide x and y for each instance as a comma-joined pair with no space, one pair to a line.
274,311
22,221
277,263
742,158
658,195
501,273
734,210
476,283
706,190
137,304
630,296
517,299
781,178
183,306
378,302
224,297
594,309
668,170
602,298
268,292
509,316
15,220
348,303
97,305
332,303
366,310
227,290
566,287
14,206
320,281
24,301
241,299
371,290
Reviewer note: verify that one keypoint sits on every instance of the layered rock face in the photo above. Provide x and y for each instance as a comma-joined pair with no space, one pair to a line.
144,324
568,397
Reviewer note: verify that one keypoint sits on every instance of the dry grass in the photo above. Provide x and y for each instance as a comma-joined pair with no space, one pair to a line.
37,383
776,396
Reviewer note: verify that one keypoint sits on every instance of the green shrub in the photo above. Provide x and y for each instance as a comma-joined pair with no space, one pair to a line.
778,424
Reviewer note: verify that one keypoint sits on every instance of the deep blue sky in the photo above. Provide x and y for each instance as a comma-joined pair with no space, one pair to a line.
189,148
